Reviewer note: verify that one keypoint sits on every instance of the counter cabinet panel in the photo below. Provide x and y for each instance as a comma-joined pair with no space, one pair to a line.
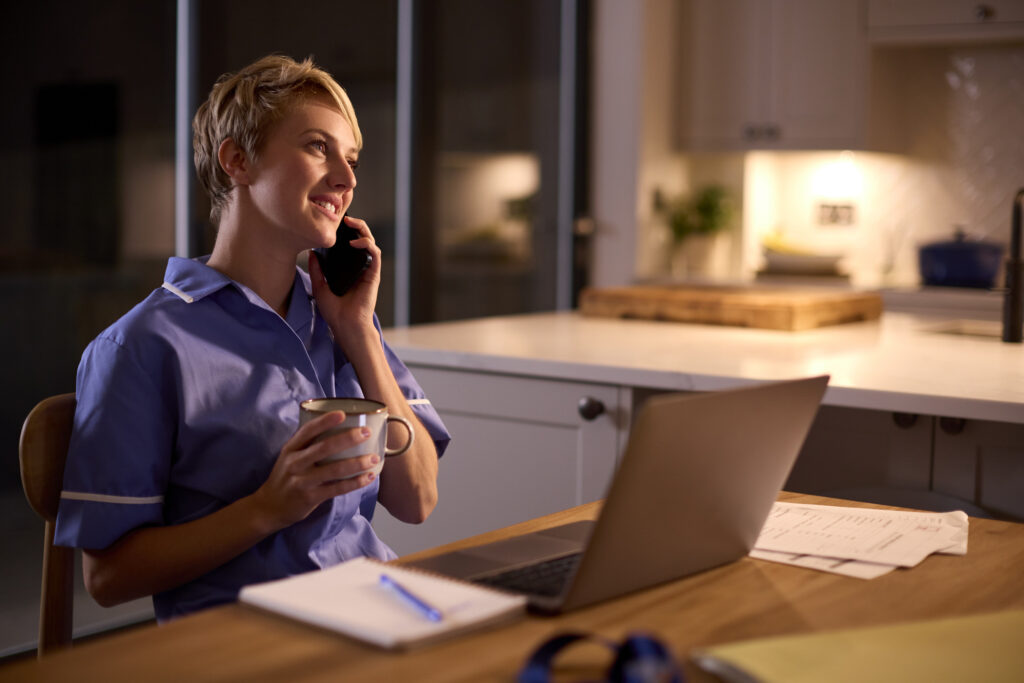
521,447
982,461
917,461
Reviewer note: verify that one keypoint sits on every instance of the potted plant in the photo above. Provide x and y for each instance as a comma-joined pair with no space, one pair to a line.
693,218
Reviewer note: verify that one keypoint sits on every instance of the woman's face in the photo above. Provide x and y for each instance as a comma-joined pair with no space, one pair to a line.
304,178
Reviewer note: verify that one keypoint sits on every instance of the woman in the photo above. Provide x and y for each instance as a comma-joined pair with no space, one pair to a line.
188,476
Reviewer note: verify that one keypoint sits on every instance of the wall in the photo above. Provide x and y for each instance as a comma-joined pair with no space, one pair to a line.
958,115
946,149
617,90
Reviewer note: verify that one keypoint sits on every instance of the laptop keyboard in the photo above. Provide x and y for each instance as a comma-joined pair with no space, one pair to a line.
546,578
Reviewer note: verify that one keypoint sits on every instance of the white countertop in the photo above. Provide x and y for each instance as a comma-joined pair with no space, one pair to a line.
897,363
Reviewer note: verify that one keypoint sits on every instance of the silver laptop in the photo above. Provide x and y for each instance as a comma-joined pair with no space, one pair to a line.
692,491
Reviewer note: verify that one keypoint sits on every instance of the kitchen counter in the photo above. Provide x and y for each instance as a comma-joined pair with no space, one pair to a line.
898,363
511,389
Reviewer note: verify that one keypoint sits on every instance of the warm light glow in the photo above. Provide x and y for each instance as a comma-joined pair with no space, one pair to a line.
839,179
476,188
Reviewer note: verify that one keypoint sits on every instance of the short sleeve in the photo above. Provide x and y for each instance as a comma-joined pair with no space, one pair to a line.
121,448
417,398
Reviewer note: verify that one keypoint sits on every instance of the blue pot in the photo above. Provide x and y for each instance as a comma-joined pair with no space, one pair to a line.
960,263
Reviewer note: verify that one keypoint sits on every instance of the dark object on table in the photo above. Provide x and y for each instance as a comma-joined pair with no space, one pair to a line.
960,263
1013,304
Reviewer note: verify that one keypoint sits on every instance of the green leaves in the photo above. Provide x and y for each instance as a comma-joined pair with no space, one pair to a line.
703,213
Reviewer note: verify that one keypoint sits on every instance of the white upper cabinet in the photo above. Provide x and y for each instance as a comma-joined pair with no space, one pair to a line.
944,21
773,74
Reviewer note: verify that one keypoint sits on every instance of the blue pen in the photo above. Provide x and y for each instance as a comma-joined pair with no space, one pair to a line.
401,591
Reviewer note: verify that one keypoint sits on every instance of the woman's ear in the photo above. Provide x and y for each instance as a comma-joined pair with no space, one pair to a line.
232,159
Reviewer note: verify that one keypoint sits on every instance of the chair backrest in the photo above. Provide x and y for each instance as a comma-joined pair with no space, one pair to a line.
42,452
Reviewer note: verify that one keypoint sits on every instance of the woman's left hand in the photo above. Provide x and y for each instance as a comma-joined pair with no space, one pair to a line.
353,310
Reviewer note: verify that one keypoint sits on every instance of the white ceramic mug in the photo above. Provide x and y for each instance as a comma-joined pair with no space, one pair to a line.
359,412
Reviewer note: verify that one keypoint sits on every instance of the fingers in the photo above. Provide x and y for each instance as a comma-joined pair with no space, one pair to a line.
312,444
360,226
340,487
348,470
324,453
305,434
302,478
365,239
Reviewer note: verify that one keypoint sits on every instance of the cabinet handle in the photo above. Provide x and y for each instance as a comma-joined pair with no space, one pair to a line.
590,408
766,132
904,420
984,12
952,425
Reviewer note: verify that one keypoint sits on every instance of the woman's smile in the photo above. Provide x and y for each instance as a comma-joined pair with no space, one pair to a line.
304,177
330,206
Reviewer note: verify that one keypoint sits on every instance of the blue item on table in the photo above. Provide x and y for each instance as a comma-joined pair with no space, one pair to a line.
960,263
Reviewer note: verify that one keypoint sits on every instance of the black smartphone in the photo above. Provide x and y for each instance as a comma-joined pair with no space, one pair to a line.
343,264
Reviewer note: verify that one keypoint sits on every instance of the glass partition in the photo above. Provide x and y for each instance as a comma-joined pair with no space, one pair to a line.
87,186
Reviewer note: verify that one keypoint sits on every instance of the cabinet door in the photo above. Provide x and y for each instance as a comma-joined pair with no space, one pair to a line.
981,461
944,21
850,451
818,57
520,449
729,74
775,74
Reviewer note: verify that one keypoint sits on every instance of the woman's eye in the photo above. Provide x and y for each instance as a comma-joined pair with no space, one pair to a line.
319,145
353,164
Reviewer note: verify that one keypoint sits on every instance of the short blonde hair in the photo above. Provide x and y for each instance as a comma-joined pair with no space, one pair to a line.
244,106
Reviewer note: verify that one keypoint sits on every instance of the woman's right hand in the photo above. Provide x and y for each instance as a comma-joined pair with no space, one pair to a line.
298,483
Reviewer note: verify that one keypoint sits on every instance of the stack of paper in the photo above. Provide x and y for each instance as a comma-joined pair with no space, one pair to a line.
352,599
860,542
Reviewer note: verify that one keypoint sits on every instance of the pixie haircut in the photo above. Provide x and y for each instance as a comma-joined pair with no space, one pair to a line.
245,105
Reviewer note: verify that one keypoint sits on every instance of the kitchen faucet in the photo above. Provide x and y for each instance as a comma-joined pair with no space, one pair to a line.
1013,304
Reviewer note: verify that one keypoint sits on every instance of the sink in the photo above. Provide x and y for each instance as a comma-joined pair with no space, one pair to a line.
985,329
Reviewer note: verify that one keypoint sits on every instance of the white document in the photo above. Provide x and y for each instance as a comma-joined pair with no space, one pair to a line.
854,568
842,539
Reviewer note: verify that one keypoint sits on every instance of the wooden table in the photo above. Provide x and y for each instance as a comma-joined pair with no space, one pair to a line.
746,599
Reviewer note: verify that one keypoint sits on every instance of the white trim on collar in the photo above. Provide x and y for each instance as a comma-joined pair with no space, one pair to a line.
177,292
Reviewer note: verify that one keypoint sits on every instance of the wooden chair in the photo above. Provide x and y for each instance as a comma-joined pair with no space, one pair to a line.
42,452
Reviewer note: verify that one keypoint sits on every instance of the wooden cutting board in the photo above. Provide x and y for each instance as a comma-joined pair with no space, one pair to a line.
761,307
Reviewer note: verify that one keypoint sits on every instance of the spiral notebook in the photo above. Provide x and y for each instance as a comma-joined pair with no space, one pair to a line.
351,598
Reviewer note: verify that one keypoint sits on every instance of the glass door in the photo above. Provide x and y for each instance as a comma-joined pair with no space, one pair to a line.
87,186
469,111
492,178
354,41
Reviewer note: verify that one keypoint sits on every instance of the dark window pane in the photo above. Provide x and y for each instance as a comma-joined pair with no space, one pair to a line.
354,40
87,186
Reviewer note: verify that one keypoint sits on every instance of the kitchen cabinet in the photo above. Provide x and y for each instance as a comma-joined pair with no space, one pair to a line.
944,21
906,458
856,449
774,74
982,461
522,447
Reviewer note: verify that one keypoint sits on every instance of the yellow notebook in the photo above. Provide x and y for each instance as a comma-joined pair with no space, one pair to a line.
352,599
986,648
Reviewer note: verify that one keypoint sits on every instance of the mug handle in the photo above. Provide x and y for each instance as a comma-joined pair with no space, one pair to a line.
388,452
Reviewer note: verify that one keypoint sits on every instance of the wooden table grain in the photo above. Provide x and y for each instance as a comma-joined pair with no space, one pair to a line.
746,599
